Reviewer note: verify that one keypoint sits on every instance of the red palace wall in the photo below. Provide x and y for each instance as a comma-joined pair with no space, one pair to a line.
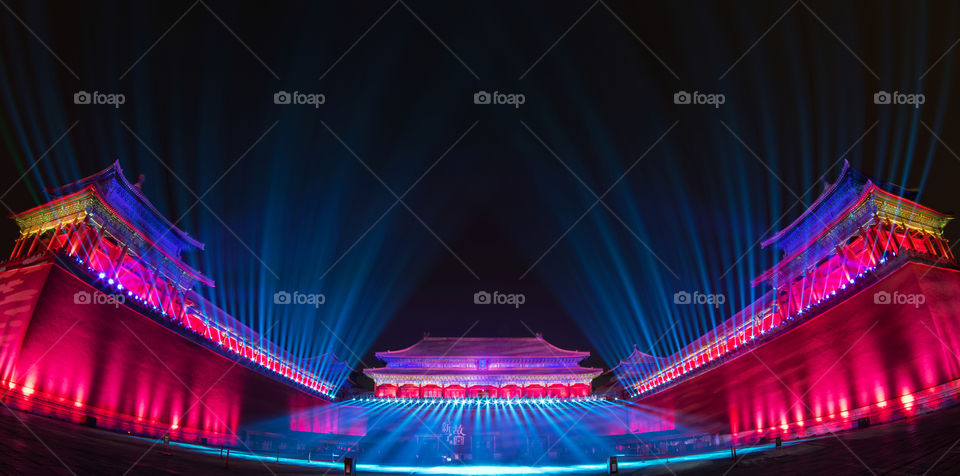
858,359
130,372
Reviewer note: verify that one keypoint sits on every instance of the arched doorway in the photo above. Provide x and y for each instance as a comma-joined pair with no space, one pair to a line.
511,391
386,390
454,391
431,391
533,391
483,391
409,391
558,390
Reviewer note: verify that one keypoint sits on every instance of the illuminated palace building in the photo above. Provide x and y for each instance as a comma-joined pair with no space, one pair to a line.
861,324
858,323
483,368
100,322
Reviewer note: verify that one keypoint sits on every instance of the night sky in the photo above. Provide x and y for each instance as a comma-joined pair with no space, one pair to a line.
399,198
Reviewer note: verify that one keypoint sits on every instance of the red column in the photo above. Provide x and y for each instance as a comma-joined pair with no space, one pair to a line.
149,279
118,262
183,308
816,279
68,233
164,296
890,244
946,248
168,299
916,241
930,244
871,246
905,241
941,244
805,292
844,271
94,244
33,244
77,230
783,302
793,304
23,245
15,248
882,239
53,237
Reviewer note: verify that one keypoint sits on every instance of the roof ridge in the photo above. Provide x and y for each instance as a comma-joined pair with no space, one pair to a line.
116,170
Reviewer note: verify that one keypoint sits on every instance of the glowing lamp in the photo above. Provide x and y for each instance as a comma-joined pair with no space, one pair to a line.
109,281
907,400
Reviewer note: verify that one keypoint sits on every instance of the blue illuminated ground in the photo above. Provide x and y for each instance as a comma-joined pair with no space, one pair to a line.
924,445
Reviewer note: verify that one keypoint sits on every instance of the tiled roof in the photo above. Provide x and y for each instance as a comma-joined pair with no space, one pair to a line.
483,347
112,178
538,371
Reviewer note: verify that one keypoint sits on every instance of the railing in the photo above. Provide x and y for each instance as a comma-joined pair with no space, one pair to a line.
271,360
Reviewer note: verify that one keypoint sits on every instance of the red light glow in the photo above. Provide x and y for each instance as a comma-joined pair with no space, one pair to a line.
907,401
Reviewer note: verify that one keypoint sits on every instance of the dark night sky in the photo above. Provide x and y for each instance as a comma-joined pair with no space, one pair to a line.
399,78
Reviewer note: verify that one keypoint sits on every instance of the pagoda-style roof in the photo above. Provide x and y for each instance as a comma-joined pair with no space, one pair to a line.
572,372
638,365
482,347
482,361
854,200
130,201
127,213
836,198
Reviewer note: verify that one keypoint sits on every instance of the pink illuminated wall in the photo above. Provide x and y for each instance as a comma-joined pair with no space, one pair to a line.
132,373
858,358
19,290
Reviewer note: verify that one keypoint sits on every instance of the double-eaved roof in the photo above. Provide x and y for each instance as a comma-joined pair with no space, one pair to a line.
127,199
482,347
482,361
